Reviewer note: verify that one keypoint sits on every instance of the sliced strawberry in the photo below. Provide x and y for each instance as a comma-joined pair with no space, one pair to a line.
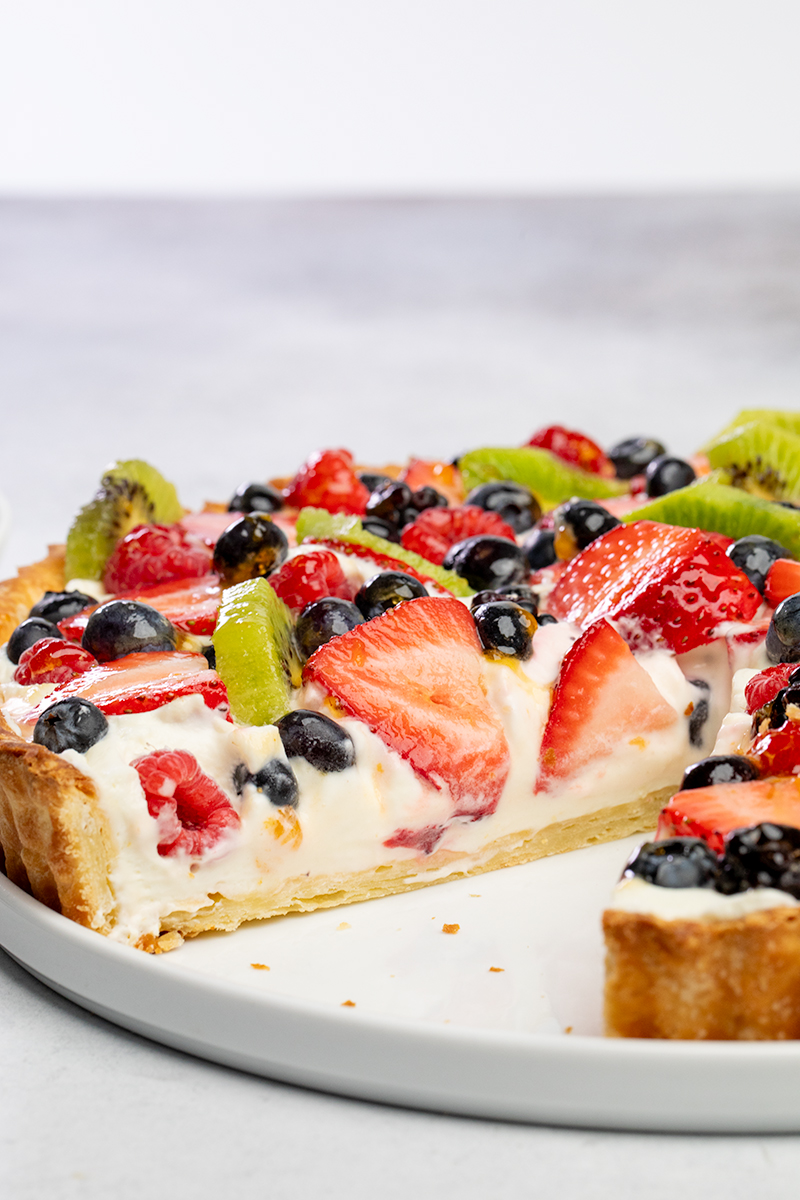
603,698
309,577
208,526
783,580
140,683
661,585
764,687
152,554
425,839
437,529
711,812
445,477
191,604
192,811
574,448
385,561
52,660
415,676
327,480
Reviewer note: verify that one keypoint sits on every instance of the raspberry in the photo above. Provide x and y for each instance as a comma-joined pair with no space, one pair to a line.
764,687
327,480
193,813
437,529
52,660
309,577
574,448
152,554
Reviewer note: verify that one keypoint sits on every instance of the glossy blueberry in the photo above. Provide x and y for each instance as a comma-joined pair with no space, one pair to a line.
487,562
385,591
72,724
327,618
764,855
783,635
578,523
755,555
373,479
210,655
665,474
381,528
777,706
275,780
505,629
540,549
123,627
678,862
519,593
699,714
317,739
428,497
391,502
631,456
56,606
546,619
249,548
515,503
718,768
27,634
255,497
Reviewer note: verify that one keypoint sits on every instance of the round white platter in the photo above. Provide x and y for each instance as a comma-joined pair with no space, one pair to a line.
377,1001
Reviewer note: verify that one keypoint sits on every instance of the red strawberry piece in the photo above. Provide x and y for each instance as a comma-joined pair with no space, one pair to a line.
603,698
783,580
662,585
777,751
445,477
415,677
574,448
425,839
711,812
192,811
384,561
191,604
437,529
52,660
764,687
327,480
140,683
207,526
152,554
309,577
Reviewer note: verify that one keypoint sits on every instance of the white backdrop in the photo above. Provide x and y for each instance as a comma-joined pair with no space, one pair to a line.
401,96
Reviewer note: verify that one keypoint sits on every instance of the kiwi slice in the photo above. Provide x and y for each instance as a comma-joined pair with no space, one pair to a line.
719,508
319,523
256,659
789,421
131,493
761,458
551,480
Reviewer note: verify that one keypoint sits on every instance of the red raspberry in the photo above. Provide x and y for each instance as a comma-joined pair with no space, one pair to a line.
574,448
193,813
327,480
152,554
309,577
437,529
764,687
52,660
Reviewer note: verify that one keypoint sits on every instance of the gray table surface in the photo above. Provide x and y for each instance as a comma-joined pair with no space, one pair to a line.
222,340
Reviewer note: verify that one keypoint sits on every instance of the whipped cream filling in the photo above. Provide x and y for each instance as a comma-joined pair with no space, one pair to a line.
701,904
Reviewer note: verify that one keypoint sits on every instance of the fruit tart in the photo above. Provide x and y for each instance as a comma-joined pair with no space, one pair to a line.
353,681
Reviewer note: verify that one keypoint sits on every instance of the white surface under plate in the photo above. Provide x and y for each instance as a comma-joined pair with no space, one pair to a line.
432,1025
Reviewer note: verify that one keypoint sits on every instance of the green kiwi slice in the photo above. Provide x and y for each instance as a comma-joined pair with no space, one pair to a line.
255,652
719,508
131,493
319,523
760,458
551,480
789,421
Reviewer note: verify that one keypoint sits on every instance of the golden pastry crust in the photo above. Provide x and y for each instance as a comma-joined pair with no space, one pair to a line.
18,595
703,979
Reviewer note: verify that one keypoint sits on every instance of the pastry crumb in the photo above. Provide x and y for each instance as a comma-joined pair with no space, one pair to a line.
343,925
259,966
497,969
168,941
450,928
475,895
348,1004
568,1029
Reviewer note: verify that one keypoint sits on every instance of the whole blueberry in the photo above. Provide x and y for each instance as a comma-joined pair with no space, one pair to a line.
123,627
27,634
760,855
391,501
255,497
71,724
383,529
515,503
249,548
631,456
487,562
428,497
754,555
505,629
327,618
665,474
518,593
539,546
783,635
678,862
719,768
317,739
578,523
57,606
385,591
275,780
373,479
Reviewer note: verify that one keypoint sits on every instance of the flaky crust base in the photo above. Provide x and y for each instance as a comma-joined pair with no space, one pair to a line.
18,595
704,979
